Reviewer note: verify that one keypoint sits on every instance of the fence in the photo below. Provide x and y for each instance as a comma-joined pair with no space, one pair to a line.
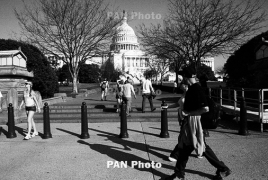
256,102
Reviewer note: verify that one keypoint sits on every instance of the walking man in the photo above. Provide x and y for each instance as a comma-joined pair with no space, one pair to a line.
191,136
127,91
104,88
147,91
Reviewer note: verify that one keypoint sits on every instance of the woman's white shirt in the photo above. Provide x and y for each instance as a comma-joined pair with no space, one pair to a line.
29,100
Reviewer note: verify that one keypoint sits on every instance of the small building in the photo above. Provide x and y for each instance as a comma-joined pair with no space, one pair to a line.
13,73
261,55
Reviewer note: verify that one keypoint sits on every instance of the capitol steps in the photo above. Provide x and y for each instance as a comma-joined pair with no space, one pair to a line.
103,111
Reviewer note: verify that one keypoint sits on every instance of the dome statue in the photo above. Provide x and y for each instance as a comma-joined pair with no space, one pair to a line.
125,34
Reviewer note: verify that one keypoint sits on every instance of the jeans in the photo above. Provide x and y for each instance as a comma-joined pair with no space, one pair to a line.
149,97
186,151
128,101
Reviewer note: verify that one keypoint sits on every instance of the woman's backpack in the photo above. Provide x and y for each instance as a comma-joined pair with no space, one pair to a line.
210,120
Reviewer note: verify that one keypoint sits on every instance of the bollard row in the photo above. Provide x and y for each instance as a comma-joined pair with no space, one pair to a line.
84,122
164,121
123,121
11,124
47,132
243,129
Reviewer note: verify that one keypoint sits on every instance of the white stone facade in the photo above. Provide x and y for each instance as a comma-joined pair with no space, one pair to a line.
125,51
209,62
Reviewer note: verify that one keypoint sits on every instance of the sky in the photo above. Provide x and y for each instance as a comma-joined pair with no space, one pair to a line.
139,11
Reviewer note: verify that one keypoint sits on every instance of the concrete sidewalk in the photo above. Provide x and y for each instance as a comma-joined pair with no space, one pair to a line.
67,157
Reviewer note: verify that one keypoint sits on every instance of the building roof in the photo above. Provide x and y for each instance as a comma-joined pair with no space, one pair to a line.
12,53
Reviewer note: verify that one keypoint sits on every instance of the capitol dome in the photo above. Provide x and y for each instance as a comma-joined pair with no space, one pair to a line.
125,38
124,28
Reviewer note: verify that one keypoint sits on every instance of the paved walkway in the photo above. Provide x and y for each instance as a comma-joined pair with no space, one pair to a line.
105,156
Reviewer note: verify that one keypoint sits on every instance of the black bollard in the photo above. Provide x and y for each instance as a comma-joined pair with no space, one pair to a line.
243,127
47,132
123,121
11,124
164,122
84,122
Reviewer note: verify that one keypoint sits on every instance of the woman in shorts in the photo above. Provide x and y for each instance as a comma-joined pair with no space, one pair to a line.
31,105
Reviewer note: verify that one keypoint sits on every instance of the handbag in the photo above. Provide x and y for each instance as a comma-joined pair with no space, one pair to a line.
153,94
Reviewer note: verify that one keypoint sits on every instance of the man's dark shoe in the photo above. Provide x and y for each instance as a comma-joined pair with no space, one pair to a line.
143,111
222,174
153,109
173,177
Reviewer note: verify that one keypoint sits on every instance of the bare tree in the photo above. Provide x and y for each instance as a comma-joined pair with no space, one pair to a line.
154,42
78,29
160,66
196,29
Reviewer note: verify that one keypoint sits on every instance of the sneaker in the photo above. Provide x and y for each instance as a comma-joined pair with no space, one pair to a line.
173,177
34,134
222,174
153,109
172,159
27,137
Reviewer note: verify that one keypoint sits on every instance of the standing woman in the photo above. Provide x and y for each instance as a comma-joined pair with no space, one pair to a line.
29,98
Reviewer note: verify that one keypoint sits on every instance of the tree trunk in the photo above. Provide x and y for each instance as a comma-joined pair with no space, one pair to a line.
75,90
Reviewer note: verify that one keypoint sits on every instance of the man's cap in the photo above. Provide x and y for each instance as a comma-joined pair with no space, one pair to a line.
189,72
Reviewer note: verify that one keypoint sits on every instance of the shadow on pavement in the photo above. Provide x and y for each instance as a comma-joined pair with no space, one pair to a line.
142,132
69,132
168,130
169,99
128,145
119,155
